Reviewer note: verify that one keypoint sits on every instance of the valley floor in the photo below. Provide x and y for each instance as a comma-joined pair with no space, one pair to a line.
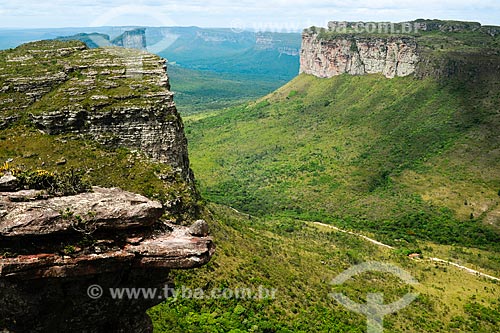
300,259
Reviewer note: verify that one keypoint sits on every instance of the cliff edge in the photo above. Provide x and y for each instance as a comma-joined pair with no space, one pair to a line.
116,96
67,113
62,257
424,48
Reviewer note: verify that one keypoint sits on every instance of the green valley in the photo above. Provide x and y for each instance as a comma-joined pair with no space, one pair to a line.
404,158
300,260
200,91
299,186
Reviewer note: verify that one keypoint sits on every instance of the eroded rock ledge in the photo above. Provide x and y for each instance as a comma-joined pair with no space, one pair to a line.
118,97
53,249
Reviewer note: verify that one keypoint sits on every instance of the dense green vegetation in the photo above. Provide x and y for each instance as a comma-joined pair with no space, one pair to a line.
413,163
404,158
300,260
292,256
201,91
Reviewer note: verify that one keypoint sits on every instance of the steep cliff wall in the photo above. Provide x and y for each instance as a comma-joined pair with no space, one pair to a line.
133,39
118,97
61,256
426,48
392,56
59,238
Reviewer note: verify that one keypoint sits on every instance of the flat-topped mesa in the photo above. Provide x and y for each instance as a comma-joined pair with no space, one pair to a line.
55,249
392,56
119,97
424,48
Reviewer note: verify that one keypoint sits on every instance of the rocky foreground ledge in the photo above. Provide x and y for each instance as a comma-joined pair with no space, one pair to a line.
52,249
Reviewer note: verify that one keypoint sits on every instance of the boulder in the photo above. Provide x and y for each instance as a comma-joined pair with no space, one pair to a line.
8,182
199,228
62,257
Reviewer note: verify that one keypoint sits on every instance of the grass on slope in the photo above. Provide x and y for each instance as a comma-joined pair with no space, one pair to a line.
29,149
61,75
299,261
409,159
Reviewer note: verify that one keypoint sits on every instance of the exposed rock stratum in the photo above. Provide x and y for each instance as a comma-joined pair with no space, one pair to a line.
119,97
393,56
424,48
54,249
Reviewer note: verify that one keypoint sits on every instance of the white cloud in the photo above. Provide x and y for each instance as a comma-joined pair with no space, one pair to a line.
58,13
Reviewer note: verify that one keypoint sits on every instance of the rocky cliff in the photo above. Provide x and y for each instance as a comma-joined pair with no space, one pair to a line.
392,56
133,39
56,252
425,48
106,115
116,96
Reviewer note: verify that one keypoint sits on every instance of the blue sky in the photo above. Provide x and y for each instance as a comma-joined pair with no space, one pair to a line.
282,15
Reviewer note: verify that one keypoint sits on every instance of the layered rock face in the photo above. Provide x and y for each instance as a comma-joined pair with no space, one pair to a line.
392,56
133,39
425,48
116,96
56,251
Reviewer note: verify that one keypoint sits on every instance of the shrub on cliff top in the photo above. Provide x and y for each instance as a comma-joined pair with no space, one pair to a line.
69,182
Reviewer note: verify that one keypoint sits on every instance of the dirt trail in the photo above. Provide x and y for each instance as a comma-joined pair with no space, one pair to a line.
371,240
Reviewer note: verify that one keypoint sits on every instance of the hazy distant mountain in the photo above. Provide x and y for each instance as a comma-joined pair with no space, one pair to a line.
272,55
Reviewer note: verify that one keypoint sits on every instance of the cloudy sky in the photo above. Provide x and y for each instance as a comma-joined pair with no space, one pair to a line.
262,15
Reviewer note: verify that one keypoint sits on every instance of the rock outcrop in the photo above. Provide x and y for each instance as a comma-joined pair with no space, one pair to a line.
61,255
133,39
117,96
425,48
392,56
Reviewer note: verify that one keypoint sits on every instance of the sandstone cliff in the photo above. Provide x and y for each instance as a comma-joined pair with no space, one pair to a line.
425,48
133,39
116,96
55,244
392,56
